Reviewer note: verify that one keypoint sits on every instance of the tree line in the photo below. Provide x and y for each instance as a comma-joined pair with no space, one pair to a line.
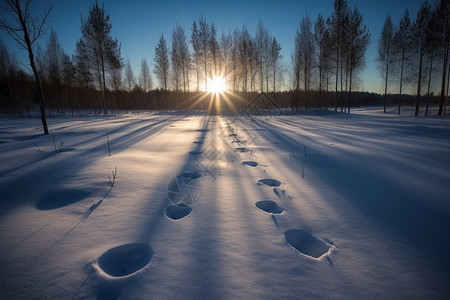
415,54
326,62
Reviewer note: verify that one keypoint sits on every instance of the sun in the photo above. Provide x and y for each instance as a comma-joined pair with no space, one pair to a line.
217,85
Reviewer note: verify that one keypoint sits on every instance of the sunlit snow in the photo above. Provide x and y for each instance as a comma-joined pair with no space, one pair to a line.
319,205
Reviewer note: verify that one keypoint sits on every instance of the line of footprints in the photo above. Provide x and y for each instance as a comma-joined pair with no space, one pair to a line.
299,239
183,191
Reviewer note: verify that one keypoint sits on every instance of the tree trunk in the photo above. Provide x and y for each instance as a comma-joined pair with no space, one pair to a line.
401,82
444,68
429,83
39,92
386,83
337,79
103,83
419,83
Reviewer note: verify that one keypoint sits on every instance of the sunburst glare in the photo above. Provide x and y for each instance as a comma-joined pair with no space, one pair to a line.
217,85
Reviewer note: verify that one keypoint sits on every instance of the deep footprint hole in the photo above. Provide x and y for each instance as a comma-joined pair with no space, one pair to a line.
179,211
125,259
250,163
306,243
269,182
195,153
269,206
241,149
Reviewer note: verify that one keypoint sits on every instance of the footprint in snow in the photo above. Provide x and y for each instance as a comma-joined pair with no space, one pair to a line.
306,243
269,182
125,259
269,206
241,149
179,211
250,163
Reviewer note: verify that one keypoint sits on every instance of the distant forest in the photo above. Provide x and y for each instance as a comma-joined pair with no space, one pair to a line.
413,60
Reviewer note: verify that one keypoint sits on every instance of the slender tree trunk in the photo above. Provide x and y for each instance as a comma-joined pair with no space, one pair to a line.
337,79
304,85
342,89
429,82
350,89
206,72
39,91
198,73
386,82
320,85
105,111
401,83
419,83
446,98
444,68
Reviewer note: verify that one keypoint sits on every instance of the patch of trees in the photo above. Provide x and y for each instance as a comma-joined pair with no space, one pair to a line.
414,55
327,60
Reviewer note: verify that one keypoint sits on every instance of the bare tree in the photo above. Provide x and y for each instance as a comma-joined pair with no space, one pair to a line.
307,59
358,39
129,76
197,54
235,58
225,50
181,59
162,63
145,78
385,47
320,37
336,24
53,61
402,51
432,45
296,63
275,62
215,54
103,52
263,43
244,54
26,30
443,14
7,68
68,71
204,40
83,73
420,34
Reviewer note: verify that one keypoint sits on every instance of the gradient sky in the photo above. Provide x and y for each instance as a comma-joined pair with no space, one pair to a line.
138,24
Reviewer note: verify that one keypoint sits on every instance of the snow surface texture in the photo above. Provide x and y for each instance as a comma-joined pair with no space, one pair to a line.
313,206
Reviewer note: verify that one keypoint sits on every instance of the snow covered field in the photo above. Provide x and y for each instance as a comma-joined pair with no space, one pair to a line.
194,207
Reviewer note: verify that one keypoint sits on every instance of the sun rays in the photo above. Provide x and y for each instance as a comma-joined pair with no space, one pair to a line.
215,97
216,85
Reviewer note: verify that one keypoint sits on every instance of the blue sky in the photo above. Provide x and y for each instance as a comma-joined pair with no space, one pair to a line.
138,24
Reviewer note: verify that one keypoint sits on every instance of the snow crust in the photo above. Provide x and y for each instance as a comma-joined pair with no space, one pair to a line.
322,205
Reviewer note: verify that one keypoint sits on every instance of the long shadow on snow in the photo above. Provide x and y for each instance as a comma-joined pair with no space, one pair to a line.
41,180
407,217
188,166
147,231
